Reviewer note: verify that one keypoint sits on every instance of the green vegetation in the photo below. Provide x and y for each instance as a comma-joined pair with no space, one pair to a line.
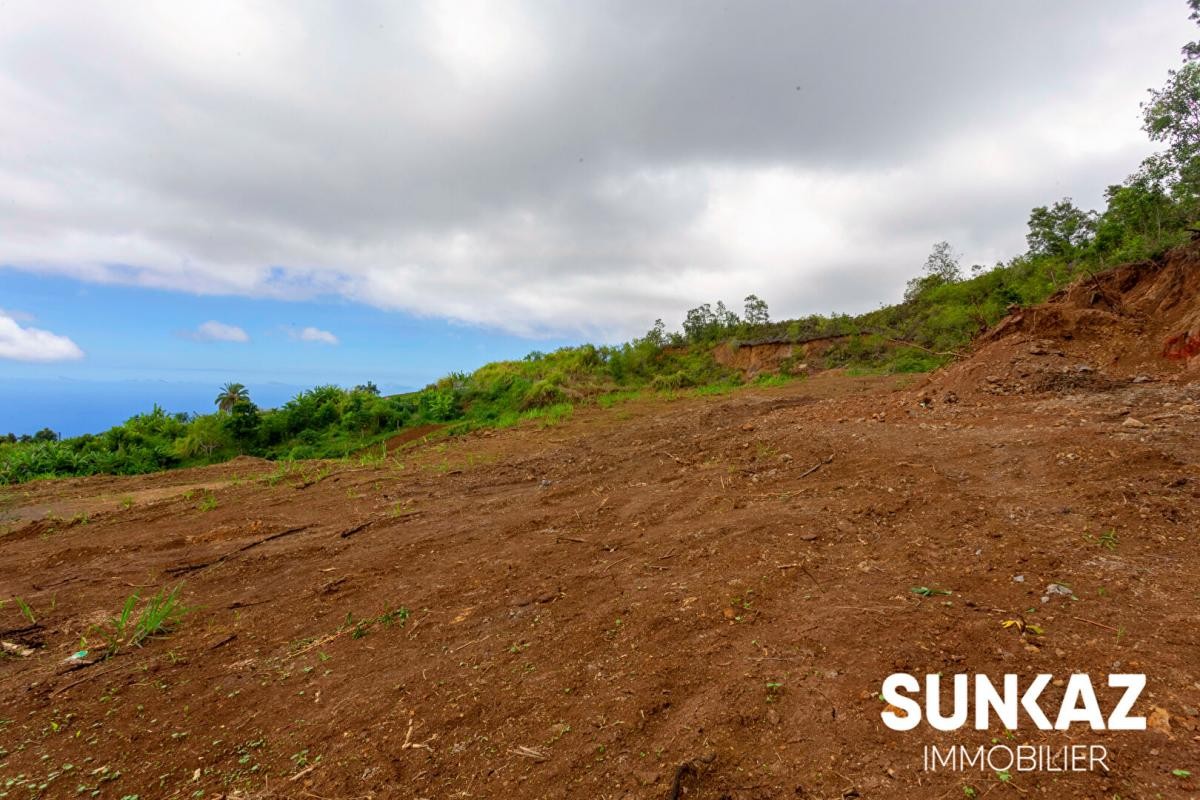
158,616
943,309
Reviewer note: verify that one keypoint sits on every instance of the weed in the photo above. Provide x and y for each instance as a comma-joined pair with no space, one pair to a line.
1181,773
774,690
126,503
1108,540
925,591
159,615
208,502
387,619
25,610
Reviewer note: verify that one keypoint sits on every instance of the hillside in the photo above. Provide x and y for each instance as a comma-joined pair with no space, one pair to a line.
663,597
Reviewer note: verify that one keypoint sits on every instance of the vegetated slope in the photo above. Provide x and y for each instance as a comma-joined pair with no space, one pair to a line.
701,595
1135,323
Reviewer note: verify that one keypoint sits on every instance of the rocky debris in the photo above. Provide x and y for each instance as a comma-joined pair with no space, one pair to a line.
1056,590
1131,422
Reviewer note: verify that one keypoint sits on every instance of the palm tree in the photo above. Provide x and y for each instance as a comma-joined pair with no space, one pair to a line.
231,394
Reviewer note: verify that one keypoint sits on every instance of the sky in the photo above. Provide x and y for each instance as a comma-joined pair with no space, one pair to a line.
294,193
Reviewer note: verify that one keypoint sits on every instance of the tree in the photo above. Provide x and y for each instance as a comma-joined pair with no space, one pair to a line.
699,322
231,394
205,435
756,311
657,335
367,388
940,267
943,263
1172,115
242,422
45,435
725,318
1060,230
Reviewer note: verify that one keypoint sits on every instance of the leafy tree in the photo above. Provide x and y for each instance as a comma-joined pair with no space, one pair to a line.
367,388
243,422
45,435
724,317
941,267
231,394
1060,230
755,311
699,323
943,263
205,436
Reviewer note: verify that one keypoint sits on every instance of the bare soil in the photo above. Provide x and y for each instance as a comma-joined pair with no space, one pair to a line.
693,598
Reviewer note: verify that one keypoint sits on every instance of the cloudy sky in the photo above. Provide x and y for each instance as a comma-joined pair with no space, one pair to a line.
417,187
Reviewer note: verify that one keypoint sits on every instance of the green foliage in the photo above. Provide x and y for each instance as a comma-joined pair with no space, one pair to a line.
158,616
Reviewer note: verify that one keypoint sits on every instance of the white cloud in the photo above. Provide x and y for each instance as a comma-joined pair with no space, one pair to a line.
33,344
213,331
311,334
547,169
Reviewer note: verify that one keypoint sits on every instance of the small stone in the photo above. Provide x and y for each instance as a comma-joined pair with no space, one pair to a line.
1017,578
1130,422
748,426
1159,720
808,537
1059,589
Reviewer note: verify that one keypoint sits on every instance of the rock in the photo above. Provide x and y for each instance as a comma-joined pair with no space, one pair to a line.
748,426
1083,369
950,397
1130,422
808,537
1059,589
772,717
1018,578
785,457
1159,720
1143,379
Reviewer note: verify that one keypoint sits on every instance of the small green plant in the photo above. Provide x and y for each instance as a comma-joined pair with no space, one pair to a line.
925,591
969,791
387,619
208,502
774,690
159,615
1108,540
1181,773
25,610
126,503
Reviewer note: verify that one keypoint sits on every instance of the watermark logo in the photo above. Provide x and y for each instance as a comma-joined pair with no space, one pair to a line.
976,702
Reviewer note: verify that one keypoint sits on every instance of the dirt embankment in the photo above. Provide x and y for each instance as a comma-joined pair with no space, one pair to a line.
1138,323
782,357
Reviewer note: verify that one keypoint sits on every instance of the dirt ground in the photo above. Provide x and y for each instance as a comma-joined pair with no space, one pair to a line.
693,598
